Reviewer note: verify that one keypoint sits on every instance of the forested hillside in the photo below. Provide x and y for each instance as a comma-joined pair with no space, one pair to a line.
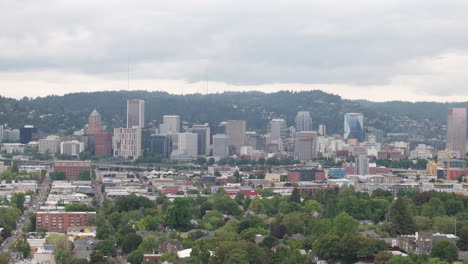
64,114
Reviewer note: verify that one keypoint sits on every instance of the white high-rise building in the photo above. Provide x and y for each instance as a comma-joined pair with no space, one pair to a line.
188,143
127,142
171,124
135,113
278,129
220,145
72,148
50,144
236,133
303,121
11,135
362,165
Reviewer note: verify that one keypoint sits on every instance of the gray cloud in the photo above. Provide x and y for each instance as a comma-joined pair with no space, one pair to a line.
240,42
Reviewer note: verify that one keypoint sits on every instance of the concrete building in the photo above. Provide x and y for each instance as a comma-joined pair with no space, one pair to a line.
204,138
127,142
322,130
188,143
50,144
354,126
278,129
236,134
71,148
305,146
171,124
456,131
11,135
135,113
362,165
57,221
220,145
303,121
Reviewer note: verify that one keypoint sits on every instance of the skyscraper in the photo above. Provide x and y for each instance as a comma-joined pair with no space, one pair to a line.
362,165
188,143
94,123
236,133
278,129
305,145
127,142
161,145
354,126
204,138
171,124
135,113
303,121
26,134
220,145
456,131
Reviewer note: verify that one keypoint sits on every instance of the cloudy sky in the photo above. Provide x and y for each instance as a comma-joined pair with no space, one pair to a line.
362,49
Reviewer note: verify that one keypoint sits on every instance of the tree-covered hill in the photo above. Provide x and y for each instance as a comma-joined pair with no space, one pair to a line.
67,113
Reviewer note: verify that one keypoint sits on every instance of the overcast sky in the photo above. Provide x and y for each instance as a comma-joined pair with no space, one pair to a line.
362,49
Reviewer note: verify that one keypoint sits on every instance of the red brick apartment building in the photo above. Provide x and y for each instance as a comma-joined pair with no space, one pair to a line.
57,221
71,168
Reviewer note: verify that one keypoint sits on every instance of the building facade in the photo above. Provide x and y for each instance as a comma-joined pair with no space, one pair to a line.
220,145
71,148
50,144
127,142
456,131
303,121
171,124
305,145
57,221
135,113
71,168
236,134
354,126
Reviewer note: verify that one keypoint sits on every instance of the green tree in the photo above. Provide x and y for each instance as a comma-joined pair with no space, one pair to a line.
462,243
239,252
433,208
445,251
422,223
22,245
401,221
344,223
327,246
179,214
130,242
295,196
85,175
17,200
107,247
136,257
57,176
443,224
400,260
383,257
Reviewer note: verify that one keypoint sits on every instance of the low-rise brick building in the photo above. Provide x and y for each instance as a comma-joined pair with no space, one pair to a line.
57,221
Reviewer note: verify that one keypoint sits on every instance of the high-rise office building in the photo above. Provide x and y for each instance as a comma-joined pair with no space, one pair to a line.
161,145
71,148
1,134
278,129
103,143
188,143
94,123
127,142
322,130
171,124
50,144
236,134
11,135
303,121
456,131
220,145
26,134
204,138
305,145
135,113
362,165
354,126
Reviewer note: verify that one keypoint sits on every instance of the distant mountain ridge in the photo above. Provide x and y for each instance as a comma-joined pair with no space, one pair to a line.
64,114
